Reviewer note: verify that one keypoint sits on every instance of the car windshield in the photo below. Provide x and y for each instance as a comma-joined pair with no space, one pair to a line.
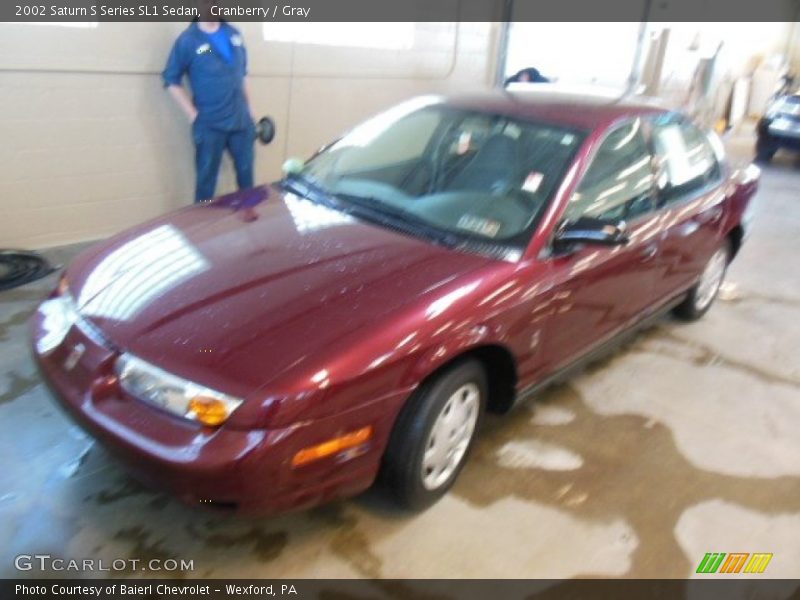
469,175
787,104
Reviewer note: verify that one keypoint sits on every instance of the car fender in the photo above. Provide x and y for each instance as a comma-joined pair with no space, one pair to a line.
446,350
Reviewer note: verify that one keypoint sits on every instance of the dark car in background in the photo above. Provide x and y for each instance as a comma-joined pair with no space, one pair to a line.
779,127
284,346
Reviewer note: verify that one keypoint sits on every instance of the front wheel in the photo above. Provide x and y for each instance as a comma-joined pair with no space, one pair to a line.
765,150
702,295
433,435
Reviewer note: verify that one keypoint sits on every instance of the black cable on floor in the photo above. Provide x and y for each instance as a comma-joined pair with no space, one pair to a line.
18,267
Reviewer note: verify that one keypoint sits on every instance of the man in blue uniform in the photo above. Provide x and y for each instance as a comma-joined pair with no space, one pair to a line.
212,54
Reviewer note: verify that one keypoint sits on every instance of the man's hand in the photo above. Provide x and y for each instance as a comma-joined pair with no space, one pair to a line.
184,102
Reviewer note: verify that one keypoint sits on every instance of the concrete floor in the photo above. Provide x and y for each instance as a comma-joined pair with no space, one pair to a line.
684,442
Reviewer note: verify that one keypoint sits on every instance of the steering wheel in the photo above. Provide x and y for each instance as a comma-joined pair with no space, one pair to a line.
437,158
423,165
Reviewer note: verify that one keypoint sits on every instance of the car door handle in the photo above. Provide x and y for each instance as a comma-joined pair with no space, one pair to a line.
648,253
710,215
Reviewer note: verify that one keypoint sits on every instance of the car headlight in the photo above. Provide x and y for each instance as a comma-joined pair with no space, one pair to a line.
172,393
58,315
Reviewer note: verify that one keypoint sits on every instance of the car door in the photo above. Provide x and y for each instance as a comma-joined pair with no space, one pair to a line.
594,291
691,196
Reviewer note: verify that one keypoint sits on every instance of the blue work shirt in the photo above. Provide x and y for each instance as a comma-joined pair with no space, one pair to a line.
221,42
217,84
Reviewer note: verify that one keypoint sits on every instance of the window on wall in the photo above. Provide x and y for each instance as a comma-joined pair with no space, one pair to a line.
390,36
559,51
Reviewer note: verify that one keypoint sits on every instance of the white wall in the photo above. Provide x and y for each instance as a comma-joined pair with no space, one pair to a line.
91,143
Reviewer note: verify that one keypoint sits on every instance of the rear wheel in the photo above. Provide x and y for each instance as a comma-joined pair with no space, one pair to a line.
702,295
433,435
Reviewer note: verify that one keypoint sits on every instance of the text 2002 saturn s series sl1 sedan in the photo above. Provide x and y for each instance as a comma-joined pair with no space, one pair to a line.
287,345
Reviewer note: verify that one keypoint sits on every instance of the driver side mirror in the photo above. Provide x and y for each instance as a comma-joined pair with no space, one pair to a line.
589,231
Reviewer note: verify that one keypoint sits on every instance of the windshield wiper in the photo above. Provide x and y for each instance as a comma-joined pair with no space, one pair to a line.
369,208
308,189
379,211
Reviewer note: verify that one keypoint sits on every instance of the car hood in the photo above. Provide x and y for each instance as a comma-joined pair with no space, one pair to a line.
238,291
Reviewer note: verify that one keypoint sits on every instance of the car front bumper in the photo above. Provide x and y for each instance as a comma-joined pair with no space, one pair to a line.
246,470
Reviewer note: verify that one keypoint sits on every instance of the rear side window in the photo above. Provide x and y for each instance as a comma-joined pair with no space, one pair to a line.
618,184
689,160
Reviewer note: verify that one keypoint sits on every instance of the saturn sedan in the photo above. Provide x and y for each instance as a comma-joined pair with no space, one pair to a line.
294,343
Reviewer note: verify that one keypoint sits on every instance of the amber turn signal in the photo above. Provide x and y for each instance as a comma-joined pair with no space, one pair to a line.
333,446
63,286
209,411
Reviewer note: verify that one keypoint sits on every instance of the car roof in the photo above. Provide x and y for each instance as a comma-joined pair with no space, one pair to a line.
589,108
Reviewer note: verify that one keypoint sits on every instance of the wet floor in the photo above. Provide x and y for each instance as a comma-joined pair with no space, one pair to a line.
683,442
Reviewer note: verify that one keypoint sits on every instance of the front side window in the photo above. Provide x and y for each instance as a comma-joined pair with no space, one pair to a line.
473,175
688,159
618,185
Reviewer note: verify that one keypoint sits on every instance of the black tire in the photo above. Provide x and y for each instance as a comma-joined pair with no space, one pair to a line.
691,309
401,472
765,150
18,267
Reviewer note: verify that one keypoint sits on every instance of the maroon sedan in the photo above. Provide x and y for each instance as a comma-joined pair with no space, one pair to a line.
286,345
